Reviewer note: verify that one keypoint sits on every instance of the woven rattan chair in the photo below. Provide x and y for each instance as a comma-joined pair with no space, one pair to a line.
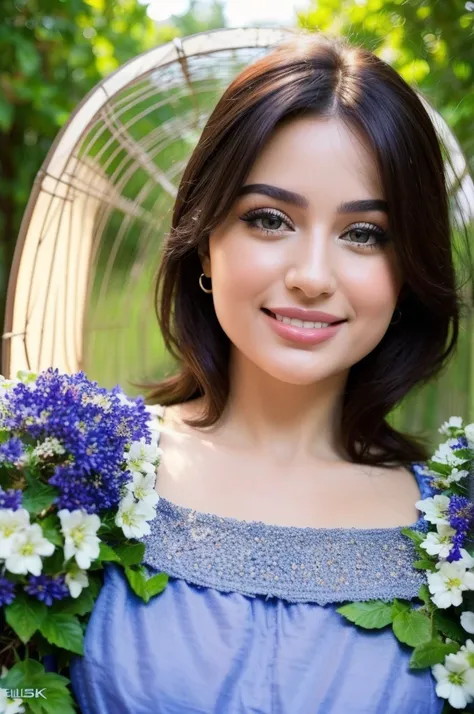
80,294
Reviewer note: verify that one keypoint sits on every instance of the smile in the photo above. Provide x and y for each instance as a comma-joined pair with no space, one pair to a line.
300,331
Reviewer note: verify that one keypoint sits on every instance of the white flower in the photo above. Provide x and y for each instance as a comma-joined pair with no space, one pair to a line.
467,621
469,432
80,540
10,706
125,400
465,560
27,548
447,585
6,385
11,524
76,580
464,656
456,475
132,517
453,421
155,430
445,455
143,488
439,543
142,457
48,448
455,682
435,509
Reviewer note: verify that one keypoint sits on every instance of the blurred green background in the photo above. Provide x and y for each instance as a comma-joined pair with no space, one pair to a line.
53,52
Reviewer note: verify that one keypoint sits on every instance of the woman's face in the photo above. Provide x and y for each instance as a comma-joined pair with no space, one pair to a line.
314,255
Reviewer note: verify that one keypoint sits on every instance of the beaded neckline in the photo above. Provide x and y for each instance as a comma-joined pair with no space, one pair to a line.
274,528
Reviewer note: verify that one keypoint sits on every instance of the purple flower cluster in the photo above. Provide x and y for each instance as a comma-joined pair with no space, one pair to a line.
461,518
461,443
12,451
11,498
47,588
7,591
93,426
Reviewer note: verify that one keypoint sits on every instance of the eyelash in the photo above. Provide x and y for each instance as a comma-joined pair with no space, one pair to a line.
368,228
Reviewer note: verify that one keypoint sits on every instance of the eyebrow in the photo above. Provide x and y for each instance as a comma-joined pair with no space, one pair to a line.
296,199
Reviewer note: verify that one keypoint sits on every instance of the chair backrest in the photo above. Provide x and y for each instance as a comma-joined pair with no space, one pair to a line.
80,289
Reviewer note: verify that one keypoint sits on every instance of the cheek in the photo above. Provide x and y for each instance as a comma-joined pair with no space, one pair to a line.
242,271
372,288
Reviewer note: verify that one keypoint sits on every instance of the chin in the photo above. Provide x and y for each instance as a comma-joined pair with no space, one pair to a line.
301,374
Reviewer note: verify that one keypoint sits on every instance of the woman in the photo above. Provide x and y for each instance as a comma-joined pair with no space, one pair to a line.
306,286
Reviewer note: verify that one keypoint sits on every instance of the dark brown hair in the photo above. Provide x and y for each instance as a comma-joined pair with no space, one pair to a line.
322,76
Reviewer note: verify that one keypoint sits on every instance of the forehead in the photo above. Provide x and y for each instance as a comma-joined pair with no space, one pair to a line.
321,158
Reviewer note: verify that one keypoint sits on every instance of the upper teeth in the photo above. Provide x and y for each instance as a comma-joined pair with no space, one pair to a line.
300,323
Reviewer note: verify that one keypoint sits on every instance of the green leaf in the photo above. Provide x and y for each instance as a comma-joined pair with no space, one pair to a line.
373,614
430,653
107,553
64,631
78,606
41,645
137,582
412,627
399,606
465,454
53,563
35,706
131,554
95,583
439,468
22,673
25,615
110,529
30,668
51,527
448,627
58,696
38,496
156,584
415,536
425,565
425,595
31,674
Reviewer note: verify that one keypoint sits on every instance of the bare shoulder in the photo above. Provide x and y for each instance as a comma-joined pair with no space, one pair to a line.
175,415
400,489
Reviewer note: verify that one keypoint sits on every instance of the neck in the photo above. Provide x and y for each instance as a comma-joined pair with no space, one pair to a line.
287,422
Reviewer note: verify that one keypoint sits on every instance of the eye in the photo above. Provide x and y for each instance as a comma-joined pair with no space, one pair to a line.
365,231
271,216
275,218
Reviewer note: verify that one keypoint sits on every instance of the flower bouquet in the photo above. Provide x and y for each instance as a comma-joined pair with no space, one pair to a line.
77,487
439,629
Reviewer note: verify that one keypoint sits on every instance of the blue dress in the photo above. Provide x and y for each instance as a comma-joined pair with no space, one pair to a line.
248,624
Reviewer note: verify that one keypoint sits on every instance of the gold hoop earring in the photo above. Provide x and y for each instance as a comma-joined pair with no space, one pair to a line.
202,286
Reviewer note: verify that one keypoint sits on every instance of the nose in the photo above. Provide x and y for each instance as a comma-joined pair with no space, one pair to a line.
311,264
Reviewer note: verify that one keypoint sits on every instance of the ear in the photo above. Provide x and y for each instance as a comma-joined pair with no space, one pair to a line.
205,262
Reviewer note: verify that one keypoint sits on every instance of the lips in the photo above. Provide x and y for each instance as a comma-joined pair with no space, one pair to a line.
272,314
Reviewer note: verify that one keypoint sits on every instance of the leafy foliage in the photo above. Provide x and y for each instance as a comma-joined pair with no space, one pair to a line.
430,43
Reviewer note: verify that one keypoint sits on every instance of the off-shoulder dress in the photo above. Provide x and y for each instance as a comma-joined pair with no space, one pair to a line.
247,623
